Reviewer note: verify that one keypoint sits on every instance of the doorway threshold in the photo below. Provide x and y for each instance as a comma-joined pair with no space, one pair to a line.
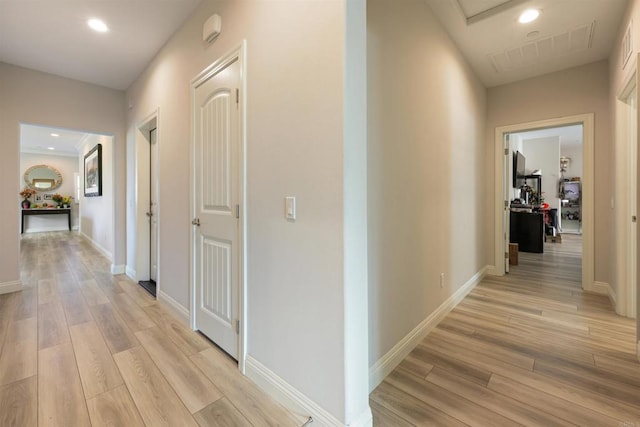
149,286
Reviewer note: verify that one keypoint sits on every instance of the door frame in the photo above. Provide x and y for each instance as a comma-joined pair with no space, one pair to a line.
626,301
588,206
142,155
238,53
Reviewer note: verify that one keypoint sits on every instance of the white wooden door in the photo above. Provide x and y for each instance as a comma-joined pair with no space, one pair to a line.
632,135
153,206
216,184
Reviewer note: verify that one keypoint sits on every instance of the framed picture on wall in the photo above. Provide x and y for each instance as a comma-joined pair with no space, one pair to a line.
93,172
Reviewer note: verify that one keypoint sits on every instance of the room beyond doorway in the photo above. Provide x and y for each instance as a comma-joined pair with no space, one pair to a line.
587,191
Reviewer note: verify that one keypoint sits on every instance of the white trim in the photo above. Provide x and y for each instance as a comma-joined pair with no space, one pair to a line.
117,269
131,273
8,287
612,296
174,307
600,288
625,264
365,419
99,247
64,227
588,203
393,357
287,395
239,53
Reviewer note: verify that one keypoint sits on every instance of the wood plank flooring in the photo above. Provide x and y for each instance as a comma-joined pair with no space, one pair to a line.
530,348
80,347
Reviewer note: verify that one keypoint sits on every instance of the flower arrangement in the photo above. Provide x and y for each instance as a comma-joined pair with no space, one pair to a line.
66,200
57,198
27,193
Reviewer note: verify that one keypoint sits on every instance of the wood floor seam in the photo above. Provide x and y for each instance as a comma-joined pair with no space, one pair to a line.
78,322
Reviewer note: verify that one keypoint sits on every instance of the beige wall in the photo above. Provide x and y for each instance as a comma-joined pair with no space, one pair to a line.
38,98
574,91
295,143
96,216
426,190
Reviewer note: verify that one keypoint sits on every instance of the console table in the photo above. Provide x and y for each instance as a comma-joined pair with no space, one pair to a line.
46,211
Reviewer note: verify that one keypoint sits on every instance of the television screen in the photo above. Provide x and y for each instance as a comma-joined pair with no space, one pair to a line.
518,169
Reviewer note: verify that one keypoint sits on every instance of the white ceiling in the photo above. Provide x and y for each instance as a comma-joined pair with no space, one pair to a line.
570,136
568,33
53,36
38,140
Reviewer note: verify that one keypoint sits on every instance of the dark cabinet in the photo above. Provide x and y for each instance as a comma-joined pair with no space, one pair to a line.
527,230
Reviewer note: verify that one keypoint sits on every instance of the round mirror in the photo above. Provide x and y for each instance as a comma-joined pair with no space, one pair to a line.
43,178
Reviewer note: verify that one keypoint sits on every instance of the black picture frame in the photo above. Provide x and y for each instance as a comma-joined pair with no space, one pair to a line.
93,172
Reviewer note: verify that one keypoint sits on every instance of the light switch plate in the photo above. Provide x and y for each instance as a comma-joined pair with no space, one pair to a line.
290,208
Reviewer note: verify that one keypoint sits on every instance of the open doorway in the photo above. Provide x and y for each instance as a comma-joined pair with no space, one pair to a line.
545,200
504,193
52,165
146,220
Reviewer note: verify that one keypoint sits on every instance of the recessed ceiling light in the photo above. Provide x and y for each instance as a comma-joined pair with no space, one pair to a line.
50,148
98,25
528,15
55,135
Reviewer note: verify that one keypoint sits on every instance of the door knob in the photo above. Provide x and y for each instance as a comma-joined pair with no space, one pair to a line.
196,222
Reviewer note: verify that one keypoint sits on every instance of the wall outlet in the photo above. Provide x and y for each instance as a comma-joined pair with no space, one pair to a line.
442,280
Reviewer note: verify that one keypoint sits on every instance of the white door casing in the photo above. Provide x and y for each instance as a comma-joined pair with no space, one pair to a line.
506,199
217,199
153,205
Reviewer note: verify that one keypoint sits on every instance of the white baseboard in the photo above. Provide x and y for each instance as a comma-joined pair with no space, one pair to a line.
131,273
600,288
364,420
8,287
99,247
393,357
117,269
287,395
612,296
491,270
174,306
46,229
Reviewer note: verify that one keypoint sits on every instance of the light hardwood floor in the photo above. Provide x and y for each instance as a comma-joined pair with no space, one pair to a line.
80,347
529,348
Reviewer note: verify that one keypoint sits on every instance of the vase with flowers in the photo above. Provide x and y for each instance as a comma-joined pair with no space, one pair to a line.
57,198
26,194
66,201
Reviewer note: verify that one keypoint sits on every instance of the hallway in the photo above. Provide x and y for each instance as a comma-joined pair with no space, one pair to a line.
81,347
529,348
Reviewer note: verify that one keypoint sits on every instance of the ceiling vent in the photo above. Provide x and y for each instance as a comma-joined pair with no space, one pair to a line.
544,49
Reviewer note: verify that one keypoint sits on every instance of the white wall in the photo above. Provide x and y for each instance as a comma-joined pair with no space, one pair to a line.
426,189
544,154
297,301
574,152
39,98
578,90
96,213
67,166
